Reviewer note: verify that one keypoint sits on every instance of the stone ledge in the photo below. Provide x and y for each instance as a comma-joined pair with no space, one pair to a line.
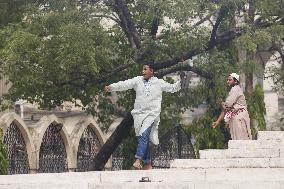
229,163
162,175
239,153
192,185
152,185
264,135
255,144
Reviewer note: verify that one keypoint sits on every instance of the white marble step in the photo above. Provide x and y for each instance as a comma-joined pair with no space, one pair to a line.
193,185
161,175
229,163
240,153
254,144
153,185
266,135
175,178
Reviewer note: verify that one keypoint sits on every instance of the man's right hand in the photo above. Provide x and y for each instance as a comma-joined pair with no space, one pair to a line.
107,88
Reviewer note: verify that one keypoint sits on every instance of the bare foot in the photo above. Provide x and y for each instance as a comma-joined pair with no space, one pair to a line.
137,164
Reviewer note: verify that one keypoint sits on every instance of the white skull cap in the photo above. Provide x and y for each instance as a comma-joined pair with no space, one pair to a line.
234,75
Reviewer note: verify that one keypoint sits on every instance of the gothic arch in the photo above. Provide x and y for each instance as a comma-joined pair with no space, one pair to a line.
78,130
6,120
42,127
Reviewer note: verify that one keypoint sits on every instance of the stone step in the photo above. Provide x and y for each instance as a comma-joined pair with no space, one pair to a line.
170,178
192,178
240,153
156,175
229,163
152,185
193,185
255,144
266,135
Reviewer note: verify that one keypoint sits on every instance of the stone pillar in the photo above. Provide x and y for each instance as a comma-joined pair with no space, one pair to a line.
270,96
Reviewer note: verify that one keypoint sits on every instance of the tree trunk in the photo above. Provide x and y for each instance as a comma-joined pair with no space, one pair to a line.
251,55
122,130
249,84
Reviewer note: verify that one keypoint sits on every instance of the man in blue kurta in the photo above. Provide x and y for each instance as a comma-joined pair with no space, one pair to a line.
147,109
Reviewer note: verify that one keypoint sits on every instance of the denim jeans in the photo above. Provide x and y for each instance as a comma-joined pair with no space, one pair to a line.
143,146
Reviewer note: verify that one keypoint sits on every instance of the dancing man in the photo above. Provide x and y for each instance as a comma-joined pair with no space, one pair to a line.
146,112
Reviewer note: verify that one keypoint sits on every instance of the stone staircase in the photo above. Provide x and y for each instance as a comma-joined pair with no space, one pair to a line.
257,164
266,152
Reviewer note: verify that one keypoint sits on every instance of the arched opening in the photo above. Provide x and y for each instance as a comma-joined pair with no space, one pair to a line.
17,150
88,148
52,155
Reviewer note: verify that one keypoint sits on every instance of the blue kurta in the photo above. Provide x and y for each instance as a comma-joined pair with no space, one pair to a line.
147,106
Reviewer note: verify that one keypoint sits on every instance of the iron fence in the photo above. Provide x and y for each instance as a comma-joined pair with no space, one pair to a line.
17,151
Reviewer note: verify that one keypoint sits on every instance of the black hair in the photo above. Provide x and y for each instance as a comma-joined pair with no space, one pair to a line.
151,66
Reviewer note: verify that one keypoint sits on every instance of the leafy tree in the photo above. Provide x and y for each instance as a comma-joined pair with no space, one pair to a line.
3,156
68,50
257,108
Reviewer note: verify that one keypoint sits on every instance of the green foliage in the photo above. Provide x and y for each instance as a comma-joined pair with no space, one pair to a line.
11,11
251,66
277,74
270,8
256,108
212,93
205,136
3,156
55,53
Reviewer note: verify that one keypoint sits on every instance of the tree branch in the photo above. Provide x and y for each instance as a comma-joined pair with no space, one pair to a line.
155,23
105,76
221,15
107,16
184,67
201,21
126,22
220,40
167,63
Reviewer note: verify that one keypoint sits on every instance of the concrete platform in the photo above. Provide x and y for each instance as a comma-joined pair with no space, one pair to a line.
174,178
155,185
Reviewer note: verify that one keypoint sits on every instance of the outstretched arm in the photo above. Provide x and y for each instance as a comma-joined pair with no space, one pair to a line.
121,85
167,87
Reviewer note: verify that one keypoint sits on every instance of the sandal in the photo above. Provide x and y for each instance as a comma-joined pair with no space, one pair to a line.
137,165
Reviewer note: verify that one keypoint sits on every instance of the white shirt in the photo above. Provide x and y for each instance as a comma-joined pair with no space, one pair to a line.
147,106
